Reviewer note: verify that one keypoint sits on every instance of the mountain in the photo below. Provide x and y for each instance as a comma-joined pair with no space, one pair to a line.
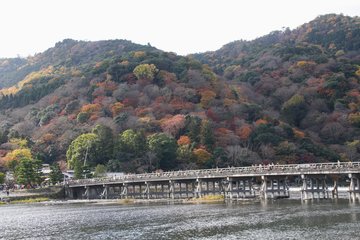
291,96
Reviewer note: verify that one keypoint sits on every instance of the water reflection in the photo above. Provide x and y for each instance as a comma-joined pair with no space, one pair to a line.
272,219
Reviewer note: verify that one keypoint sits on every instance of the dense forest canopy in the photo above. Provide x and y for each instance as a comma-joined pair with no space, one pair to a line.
292,96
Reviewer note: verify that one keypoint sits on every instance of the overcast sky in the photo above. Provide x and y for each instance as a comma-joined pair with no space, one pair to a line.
181,26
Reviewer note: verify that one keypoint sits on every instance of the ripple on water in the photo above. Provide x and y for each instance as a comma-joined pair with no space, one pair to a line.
274,220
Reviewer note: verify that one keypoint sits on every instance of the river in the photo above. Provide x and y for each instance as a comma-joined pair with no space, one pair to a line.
273,219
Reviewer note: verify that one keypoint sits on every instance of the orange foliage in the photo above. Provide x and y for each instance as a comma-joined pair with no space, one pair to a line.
116,108
94,117
260,121
179,104
167,77
298,133
222,131
91,108
47,138
107,85
244,132
141,111
183,140
206,97
228,102
201,155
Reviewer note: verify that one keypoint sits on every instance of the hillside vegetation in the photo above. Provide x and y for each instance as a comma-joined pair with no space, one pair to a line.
292,96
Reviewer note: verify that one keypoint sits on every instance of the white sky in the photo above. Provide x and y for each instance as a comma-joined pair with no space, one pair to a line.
182,26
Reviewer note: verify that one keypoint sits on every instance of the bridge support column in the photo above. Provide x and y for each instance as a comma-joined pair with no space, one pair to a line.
124,193
263,188
104,194
86,193
147,190
198,190
229,188
171,189
354,188
335,193
304,189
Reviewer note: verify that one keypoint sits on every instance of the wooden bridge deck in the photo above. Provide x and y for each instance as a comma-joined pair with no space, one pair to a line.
224,173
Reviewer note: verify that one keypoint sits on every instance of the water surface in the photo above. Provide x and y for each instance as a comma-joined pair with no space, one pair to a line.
280,219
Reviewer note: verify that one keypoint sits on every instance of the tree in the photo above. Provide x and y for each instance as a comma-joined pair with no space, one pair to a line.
12,158
185,153
105,144
164,148
173,125
131,143
78,169
2,177
83,149
192,126
294,110
28,172
55,174
207,134
202,156
183,140
100,170
145,72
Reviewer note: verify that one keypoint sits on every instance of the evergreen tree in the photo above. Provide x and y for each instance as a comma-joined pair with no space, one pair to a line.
55,174
206,134
28,172
78,170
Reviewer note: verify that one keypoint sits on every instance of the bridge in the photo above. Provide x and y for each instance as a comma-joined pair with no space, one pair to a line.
266,181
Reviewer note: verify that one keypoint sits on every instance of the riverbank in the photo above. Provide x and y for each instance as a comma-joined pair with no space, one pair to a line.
32,195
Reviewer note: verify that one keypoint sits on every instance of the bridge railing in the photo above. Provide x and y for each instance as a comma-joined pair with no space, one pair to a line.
223,172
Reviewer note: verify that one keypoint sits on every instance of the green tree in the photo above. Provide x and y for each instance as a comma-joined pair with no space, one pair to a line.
295,109
207,134
185,153
2,178
130,144
55,174
106,143
78,169
164,147
145,71
84,149
192,126
28,172
100,170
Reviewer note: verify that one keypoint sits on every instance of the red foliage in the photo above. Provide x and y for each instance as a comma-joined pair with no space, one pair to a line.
179,104
210,114
173,124
54,99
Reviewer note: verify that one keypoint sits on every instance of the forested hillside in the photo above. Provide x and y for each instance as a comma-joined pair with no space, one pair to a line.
292,96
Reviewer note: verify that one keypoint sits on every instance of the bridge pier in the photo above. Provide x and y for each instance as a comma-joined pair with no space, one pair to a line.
198,189
314,185
354,188
274,187
124,193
